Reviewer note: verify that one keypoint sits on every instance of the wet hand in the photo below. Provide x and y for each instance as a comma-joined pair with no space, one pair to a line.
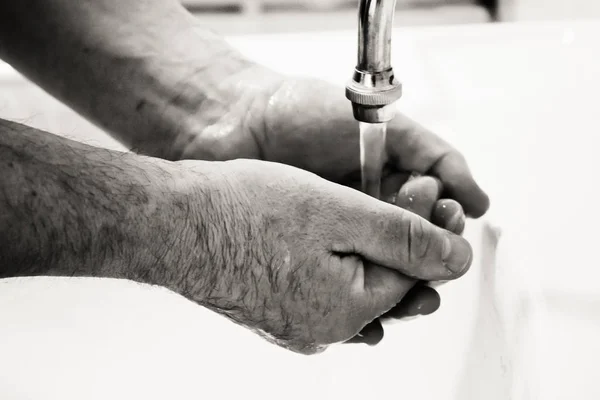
421,196
305,262
308,123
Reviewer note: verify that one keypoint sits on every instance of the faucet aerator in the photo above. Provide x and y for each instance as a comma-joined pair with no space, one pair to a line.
374,89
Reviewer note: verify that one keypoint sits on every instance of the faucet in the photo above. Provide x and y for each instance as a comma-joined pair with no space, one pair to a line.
374,89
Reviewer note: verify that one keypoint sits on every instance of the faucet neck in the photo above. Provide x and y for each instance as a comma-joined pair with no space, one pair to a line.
375,23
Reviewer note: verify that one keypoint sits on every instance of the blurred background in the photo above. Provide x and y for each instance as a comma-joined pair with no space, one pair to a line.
232,17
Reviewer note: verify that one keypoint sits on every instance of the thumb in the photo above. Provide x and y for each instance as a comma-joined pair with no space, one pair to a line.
401,240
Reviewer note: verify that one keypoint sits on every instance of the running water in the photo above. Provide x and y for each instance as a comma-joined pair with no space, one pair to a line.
372,156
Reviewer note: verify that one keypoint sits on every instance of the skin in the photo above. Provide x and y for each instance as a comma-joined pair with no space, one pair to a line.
421,196
323,260
298,259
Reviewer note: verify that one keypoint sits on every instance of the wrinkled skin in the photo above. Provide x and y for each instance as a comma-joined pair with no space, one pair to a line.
421,196
308,123
303,261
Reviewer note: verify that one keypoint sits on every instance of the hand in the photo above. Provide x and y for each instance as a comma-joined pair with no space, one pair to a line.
308,123
303,261
421,196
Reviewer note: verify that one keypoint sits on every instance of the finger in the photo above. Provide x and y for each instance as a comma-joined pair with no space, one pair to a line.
384,289
414,148
370,335
448,214
391,182
420,300
381,289
391,237
391,185
419,195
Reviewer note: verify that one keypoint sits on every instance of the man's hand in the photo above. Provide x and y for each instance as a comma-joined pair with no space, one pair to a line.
308,123
421,196
144,71
304,261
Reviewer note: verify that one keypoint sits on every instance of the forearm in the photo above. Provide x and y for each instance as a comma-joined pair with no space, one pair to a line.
139,69
70,209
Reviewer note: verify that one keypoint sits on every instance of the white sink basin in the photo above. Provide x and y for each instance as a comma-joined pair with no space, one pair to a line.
519,100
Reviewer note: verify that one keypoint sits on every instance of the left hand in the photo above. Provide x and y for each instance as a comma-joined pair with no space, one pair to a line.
308,123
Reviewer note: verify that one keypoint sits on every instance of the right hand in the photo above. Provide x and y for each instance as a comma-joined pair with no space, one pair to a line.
423,197
303,261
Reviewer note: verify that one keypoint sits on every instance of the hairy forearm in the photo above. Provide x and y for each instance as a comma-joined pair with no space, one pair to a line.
137,68
71,209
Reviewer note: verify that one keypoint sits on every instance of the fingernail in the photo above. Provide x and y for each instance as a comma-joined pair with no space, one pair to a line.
456,254
457,223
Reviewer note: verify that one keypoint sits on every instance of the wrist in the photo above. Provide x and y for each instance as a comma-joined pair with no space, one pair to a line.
190,93
181,240
179,90
137,241
153,228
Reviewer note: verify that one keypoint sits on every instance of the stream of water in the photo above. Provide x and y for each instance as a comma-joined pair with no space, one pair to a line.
372,156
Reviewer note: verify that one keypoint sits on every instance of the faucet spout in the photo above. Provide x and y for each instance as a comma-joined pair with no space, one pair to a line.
375,22
374,88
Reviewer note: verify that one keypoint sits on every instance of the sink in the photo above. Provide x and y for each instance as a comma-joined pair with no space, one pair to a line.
519,100
97,338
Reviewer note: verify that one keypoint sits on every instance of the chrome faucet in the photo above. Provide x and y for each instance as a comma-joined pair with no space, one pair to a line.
374,89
